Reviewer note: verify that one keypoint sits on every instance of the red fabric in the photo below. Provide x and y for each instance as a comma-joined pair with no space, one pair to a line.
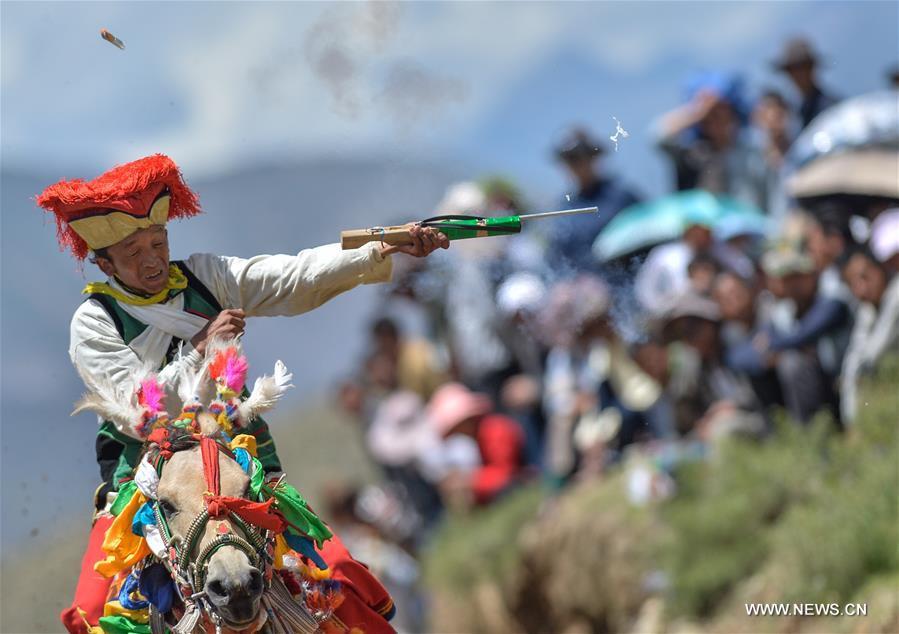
209,450
160,437
256,513
365,599
501,441
92,589
130,188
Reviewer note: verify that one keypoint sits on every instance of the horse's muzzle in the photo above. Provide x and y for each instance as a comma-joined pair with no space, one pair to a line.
236,596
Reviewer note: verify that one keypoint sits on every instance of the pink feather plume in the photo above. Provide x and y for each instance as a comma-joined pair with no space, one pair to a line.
229,368
152,396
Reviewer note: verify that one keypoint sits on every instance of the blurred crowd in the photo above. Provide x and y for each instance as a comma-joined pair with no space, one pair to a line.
640,335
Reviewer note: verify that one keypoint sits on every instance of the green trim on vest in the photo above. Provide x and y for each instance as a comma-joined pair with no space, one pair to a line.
198,300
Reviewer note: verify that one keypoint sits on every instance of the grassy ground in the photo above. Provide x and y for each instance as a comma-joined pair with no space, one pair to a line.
809,516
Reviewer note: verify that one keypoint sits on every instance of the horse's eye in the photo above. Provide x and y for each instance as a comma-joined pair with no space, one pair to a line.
168,509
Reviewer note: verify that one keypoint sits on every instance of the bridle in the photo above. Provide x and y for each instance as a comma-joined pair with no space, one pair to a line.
190,573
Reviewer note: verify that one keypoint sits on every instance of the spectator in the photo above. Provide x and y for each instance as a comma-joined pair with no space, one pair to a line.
708,145
803,340
454,410
709,399
664,275
773,123
828,237
571,238
892,75
876,329
417,365
800,62
701,272
519,300
744,309
397,436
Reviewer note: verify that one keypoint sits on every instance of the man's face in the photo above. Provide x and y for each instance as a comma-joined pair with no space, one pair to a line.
866,281
801,75
582,169
140,261
734,297
823,248
771,116
801,287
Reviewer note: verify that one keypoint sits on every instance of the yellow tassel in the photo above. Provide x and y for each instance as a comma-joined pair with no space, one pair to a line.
176,281
114,608
91,629
281,549
244,441
225,423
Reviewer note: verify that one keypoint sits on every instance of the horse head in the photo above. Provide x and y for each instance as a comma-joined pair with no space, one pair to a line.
209,516
221,554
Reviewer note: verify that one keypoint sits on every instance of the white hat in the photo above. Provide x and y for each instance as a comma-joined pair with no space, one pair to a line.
520,292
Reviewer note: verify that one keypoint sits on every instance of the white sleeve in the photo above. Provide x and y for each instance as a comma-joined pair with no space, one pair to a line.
100,355
284,285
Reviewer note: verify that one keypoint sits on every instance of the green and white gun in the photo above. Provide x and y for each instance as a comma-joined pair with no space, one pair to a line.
454,227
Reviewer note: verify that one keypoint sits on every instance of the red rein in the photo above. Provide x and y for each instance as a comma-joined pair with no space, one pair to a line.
257,513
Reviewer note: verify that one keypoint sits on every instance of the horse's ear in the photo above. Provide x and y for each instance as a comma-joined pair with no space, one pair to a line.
208,423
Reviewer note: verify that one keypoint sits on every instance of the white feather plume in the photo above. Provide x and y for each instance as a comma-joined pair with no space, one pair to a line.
190,381
267,391
115,401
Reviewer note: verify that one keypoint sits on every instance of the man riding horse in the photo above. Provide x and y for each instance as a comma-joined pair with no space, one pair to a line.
162,314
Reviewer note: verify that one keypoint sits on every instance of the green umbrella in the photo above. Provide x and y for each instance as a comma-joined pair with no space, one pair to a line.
645,225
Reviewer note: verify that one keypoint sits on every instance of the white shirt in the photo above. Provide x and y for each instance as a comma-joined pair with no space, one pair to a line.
264,285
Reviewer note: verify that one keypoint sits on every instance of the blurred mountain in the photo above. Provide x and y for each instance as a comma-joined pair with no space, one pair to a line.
48,470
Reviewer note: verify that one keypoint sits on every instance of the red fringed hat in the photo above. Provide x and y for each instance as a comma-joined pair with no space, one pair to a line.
95,214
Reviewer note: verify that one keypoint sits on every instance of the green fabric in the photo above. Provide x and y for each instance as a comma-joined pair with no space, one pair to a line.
122,625
295,511
126,492
257,479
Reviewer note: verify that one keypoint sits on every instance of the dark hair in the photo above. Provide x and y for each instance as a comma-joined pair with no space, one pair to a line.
858,249
834,221
385,327
704,259
100,253
771,94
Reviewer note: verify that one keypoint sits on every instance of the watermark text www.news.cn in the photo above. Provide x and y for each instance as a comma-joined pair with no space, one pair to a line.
806,609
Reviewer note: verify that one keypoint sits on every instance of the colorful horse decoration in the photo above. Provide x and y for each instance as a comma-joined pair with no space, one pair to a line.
203,539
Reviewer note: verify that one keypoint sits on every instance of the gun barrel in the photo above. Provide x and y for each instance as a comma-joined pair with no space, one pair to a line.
563,212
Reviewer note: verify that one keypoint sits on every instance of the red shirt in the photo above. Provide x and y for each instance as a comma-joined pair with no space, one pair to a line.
501,441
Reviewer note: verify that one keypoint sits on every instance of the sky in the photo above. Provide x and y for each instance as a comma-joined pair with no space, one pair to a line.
452,88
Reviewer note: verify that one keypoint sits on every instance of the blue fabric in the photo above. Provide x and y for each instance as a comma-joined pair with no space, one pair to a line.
128,588
305,547
143,517
158,587
824,316
570,245
244,459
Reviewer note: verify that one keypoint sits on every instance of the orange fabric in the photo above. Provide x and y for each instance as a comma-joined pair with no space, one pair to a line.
93,588
365,599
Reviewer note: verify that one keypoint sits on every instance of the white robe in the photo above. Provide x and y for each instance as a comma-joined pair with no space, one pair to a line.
264,285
